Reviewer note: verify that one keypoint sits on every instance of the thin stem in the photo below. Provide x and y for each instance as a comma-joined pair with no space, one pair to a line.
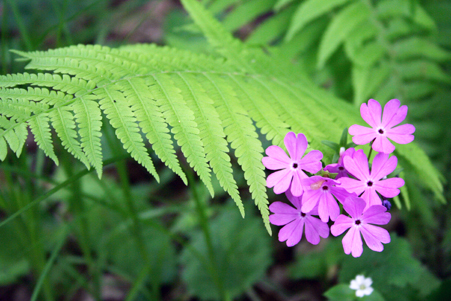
115,147
84,239
21,25
203,220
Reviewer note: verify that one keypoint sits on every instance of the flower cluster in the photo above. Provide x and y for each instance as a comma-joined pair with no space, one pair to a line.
314,191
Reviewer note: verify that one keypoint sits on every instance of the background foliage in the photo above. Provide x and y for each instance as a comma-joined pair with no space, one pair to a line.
78,239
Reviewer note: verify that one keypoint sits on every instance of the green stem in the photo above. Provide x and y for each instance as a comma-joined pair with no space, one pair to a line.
203,220
21,25
78,205
115,147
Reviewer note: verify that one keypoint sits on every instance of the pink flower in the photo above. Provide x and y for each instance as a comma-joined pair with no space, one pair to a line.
360,222
339,168
320,191
381,130
294,220
291,168
370,182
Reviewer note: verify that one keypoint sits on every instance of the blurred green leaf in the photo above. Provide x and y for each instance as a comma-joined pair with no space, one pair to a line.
242,255
339,28
416,47
340,292
391,270
308,11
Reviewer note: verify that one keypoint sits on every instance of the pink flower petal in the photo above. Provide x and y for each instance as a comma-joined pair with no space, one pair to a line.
402,134
389,187
332,168
312,161
352,186
383,145
376,215
374,236
310,199
340,193
391,110
342,223
328,207
296,201
282,208
287,231
296,235
352,242
379,233
281,219
358,165
354,206
371,113
274,164
296,186
278,153
360,130
296,146
280,180
314,228
397,118
371,198
383,166
370,239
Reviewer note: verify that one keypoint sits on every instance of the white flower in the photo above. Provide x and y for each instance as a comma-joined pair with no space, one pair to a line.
362,286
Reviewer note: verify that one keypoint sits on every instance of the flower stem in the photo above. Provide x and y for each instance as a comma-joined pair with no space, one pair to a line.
203,220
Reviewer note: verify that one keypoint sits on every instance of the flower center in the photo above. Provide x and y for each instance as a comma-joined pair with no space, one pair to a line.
369,183
295,165
357,222
341,168
303,214
325,188
381,131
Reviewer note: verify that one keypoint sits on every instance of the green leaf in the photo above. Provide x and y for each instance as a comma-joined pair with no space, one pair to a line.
340,292
339,28
281,3
241,256
246,12
391,270
416,47
308,11
271,28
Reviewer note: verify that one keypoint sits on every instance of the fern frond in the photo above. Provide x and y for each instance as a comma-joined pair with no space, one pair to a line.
113,104
89,120
39,126
244,140
152,123
64,124
211,133
181,118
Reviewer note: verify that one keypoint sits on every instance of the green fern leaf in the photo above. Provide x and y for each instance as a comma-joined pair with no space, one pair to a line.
184,128
39,126
89,120
113,104
211,133
64,124
151,122
244,140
